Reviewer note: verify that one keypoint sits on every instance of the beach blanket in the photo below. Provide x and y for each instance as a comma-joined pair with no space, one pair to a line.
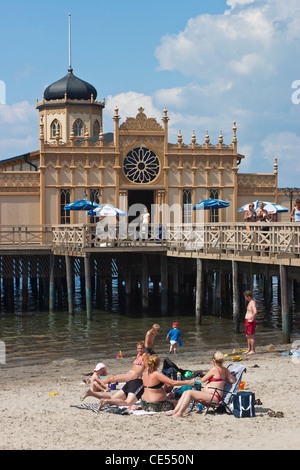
107,408
119,410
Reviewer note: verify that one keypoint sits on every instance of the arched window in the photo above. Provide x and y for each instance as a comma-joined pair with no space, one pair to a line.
187,205
65,198
55,127
214,213
96,129
78,128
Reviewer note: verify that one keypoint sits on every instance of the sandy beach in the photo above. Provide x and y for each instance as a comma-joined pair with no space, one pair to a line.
34,420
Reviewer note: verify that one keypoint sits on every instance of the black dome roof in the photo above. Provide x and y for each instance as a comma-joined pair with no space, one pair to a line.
74,87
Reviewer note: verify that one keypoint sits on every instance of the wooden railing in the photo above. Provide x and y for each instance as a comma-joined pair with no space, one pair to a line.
25,235
268,239
272,238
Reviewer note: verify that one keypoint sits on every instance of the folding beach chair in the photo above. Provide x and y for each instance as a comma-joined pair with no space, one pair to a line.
229,391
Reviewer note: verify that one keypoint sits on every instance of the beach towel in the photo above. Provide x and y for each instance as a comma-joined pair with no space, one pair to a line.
107,408
119,410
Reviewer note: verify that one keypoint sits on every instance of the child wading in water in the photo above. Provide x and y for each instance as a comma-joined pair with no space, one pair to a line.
174,336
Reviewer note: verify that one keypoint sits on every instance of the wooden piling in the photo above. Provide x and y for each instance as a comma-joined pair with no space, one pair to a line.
286,327
175,285
88,290
145,282
235,296
69,284
199,290
164,283
52,284
218,300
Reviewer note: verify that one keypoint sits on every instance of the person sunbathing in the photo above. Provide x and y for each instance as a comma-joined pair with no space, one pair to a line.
136,370
155,396
217,375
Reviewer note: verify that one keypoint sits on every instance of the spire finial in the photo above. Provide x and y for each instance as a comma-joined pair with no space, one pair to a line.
70,66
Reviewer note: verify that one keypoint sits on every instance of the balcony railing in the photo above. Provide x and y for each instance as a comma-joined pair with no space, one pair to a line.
270,239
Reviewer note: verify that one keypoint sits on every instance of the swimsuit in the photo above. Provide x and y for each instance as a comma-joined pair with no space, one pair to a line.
138,362
159,385
156,405
149,351
135,386
250,327
215,394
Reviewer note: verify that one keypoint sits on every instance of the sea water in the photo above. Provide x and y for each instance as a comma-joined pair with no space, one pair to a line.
34,337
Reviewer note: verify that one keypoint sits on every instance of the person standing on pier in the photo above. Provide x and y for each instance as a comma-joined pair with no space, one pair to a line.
295,214
145,221
250,215
250,322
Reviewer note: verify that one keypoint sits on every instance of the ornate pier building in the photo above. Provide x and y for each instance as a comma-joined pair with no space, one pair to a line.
135,163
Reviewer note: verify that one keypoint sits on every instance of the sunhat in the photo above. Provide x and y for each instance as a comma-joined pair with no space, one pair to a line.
99,366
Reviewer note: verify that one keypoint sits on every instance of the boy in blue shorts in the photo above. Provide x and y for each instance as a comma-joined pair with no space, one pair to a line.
174,335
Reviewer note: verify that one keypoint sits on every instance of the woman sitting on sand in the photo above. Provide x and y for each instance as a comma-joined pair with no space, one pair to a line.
136,370
215,379
155,397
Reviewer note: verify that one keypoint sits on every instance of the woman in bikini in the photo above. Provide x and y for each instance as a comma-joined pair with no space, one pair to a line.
136,370
134,373
250,216
215,378
155,397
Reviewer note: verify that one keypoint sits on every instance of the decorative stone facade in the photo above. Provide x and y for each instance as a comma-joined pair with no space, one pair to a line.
137,165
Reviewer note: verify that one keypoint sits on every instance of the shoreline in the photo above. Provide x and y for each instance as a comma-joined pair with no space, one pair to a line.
35,420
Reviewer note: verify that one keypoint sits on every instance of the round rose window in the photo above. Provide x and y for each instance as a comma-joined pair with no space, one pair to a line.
141,165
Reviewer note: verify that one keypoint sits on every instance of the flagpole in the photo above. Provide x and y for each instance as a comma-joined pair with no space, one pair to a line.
70,66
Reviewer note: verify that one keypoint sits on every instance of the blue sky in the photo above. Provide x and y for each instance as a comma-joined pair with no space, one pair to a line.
208,62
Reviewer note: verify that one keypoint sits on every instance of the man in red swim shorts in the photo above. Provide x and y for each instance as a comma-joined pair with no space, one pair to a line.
250,322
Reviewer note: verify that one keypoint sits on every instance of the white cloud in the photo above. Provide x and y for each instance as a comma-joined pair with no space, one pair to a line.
2,92
249,63
19,129
286,147
128,105
18,112
234,3
240,66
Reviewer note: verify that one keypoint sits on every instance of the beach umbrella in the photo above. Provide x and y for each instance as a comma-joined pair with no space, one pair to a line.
81,205
107,210
270,207
211,204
